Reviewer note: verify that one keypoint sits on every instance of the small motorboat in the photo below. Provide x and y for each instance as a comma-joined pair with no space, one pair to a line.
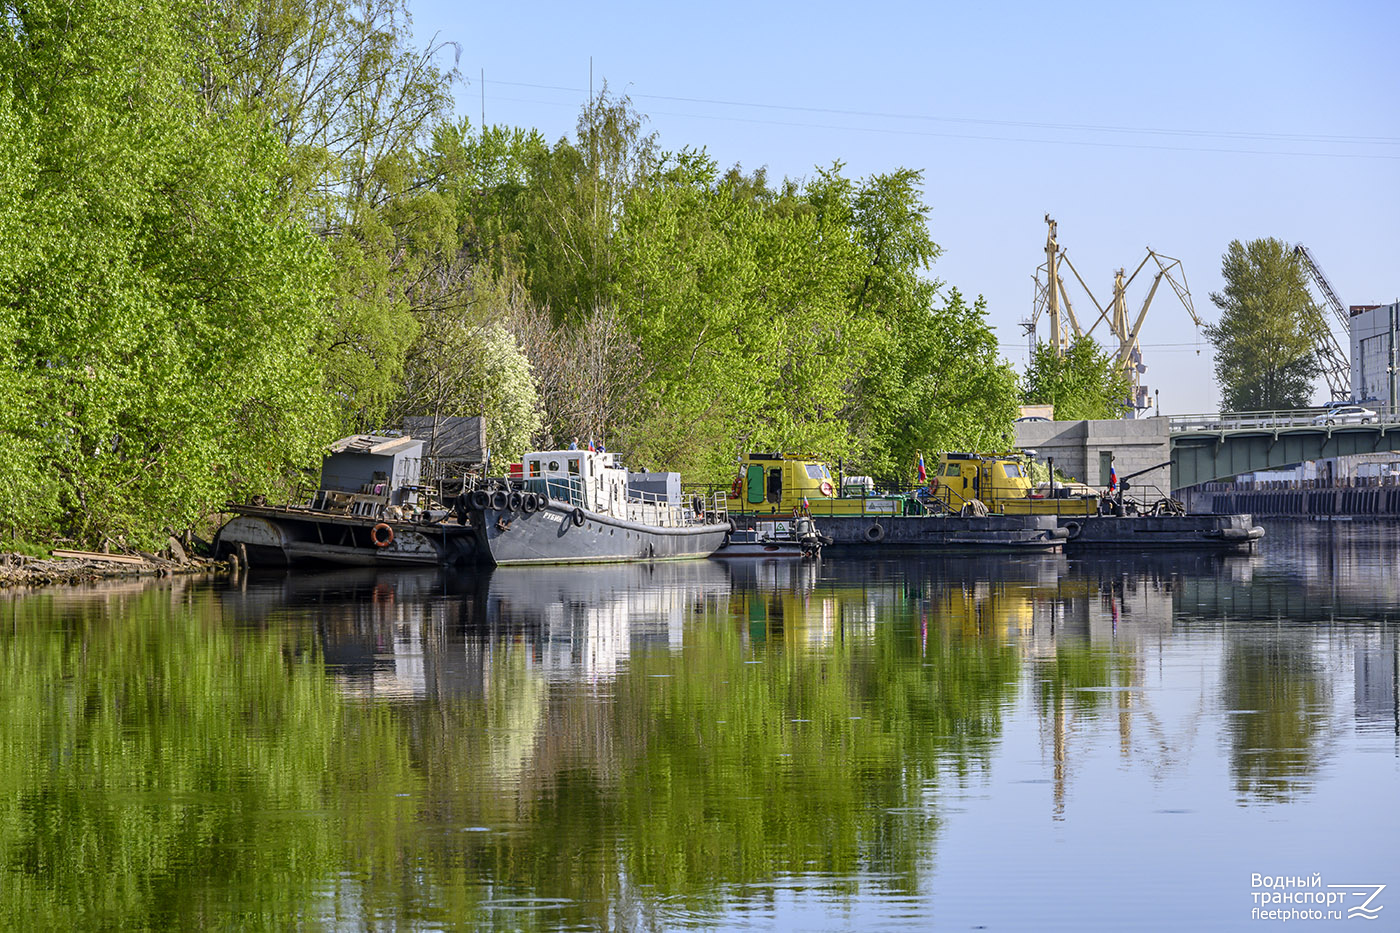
796,538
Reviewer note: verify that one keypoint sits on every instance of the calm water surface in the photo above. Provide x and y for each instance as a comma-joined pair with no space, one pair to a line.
1001,743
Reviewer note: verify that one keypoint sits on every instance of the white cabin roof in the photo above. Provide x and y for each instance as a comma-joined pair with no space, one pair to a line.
549,458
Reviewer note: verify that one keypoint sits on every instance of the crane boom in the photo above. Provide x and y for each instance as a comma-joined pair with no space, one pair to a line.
1329,294
1336,365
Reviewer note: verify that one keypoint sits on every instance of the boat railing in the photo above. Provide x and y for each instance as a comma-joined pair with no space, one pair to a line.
647,508
560,489
1147,498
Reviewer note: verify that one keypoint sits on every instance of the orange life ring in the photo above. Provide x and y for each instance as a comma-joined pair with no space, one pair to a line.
826,488
382,535
738,487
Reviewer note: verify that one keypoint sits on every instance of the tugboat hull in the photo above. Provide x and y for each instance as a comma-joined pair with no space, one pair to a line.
562,534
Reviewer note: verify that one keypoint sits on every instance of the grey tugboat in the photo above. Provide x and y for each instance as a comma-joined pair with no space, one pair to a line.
583,506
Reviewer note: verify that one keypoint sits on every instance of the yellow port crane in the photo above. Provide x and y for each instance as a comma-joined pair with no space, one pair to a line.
1052,299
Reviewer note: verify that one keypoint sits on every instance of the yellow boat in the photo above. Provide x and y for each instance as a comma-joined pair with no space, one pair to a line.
1002,483
775,483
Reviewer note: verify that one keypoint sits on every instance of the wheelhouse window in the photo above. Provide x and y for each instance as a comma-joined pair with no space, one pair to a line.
1013,470
574,466
534,468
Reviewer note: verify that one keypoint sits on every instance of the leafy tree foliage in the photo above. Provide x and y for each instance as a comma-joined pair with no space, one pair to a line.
213,244
1269,329
954,390
342,88
228,238
467,361
1085,383
160,305
726,313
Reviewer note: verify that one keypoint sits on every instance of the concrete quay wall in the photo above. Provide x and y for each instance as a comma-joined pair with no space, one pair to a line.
1082,449
1354,502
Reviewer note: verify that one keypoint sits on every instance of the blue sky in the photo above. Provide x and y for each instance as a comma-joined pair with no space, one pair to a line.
1177,126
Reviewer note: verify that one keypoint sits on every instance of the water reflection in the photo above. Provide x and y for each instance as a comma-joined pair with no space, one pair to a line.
669,745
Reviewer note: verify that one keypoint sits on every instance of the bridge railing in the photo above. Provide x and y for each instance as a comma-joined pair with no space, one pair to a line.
1298,418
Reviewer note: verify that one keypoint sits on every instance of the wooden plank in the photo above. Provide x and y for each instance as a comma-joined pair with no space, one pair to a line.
96,555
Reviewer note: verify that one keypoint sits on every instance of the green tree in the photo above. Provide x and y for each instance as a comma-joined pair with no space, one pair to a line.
1086,383
161,307
344,88
941,385
1268,334
934,379
692,313
467,361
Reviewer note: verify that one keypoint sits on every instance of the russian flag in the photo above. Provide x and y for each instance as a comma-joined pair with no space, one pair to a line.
1112,478
923,474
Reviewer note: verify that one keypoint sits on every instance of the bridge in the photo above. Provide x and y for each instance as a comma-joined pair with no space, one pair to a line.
1218,446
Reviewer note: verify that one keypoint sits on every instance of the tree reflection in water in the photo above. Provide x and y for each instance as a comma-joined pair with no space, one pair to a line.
583,747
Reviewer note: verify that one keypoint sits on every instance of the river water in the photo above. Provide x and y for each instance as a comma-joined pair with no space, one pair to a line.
999,742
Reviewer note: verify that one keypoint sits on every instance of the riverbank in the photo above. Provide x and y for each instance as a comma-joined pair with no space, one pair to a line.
73,567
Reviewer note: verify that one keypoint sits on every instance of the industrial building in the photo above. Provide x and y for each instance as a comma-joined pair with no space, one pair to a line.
1373,329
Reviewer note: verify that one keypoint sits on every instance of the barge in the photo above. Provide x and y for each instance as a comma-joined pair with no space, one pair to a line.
770,485
369,510
1003,484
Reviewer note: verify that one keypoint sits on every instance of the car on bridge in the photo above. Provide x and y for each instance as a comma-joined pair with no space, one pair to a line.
1347,414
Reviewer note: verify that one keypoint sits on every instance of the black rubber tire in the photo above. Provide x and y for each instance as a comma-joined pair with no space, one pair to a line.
1074,529
529,503
876,532
499,500
577,517
479,499
515,501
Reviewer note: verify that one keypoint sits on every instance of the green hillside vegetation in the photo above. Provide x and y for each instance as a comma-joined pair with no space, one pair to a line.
232,233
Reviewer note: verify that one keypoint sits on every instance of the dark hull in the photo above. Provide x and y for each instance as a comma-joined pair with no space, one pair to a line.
552,535
1200,532
939,532
293,537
